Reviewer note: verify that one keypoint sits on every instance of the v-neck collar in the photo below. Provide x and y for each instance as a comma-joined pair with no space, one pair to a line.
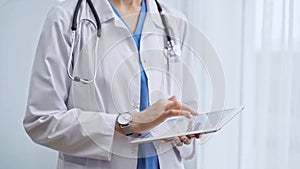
141,19
104,10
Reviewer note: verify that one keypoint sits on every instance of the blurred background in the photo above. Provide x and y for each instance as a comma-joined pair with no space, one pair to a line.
258,42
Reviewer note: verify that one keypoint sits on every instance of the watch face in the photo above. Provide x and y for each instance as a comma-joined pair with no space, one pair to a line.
124,119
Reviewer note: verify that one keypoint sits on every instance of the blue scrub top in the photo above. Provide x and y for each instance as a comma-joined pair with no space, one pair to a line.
145,160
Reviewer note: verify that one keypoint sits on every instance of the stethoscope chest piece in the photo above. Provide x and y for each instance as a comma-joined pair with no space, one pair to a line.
172,52
177,50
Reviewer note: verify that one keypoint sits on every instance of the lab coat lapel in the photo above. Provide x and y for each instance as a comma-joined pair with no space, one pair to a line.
106,13
104,10
152,46
163,82
153,23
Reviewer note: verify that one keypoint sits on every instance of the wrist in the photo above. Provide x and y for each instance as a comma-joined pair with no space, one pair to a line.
135,125
140,124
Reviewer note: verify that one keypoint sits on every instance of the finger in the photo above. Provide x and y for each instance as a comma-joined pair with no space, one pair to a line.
186,140
178,141
171,105
175,104
166,141
194,136
185,107
191,136
179,106
198,136
173,113
179,144
163,141
173,98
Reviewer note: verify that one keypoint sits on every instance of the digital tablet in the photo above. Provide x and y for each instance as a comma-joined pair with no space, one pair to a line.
203,123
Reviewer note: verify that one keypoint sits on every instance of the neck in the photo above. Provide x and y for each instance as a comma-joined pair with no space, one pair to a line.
127,7
126,3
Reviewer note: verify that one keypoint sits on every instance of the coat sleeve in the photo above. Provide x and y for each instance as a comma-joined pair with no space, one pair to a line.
48,121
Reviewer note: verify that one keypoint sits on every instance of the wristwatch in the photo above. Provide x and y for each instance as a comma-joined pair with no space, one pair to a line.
124,120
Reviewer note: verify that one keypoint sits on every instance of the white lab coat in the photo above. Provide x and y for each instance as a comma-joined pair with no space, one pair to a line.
80,126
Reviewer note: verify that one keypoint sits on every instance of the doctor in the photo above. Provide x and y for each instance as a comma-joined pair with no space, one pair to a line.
136,87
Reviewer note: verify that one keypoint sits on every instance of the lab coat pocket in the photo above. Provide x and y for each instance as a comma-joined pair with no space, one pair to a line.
63,164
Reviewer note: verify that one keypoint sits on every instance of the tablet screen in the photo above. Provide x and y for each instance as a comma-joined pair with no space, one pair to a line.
201,124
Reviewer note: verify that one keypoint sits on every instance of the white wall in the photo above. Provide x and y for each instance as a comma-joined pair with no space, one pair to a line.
21,23
258,43
221,22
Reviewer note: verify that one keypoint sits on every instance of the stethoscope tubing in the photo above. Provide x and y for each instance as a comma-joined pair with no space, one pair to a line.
164,21
170,45
76,14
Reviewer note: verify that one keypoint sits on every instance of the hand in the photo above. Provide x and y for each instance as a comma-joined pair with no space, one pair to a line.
158,113
179,141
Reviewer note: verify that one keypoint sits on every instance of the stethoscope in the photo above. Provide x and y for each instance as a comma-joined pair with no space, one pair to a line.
172,51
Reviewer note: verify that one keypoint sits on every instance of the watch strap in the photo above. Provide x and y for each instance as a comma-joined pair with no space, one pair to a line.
126,129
